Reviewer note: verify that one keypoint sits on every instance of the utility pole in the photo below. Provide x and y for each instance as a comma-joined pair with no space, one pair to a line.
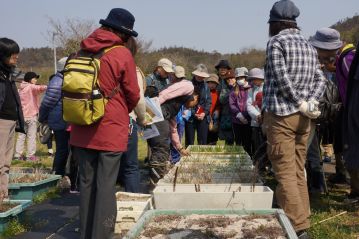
54,46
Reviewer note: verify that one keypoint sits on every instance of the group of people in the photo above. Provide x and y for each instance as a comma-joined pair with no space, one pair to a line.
287,106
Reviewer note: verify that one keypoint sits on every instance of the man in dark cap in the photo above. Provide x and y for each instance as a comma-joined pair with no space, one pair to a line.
293,86
98,147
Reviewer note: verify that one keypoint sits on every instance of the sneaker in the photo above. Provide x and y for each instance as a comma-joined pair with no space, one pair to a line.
303,234
22,157
32,158
327,159
352,198
74,189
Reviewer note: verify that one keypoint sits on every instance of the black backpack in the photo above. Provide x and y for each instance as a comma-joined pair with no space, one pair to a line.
329,104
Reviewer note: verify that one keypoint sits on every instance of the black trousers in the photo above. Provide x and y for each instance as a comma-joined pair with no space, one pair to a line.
257,138
160,151
202,132
98,174
243,136
212,138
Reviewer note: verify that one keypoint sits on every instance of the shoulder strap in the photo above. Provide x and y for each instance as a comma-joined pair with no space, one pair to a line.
341,58
118,87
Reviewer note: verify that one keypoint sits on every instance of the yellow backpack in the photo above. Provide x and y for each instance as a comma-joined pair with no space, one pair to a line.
83,102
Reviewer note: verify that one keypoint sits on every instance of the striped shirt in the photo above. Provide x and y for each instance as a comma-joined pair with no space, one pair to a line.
292,73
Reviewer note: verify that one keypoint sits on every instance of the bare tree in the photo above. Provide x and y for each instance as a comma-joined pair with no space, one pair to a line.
69,34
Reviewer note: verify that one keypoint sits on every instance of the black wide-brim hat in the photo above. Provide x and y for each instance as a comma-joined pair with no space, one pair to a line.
223,64
121,20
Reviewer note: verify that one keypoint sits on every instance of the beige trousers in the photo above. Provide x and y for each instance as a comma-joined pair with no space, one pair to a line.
287,138
31,126
7,140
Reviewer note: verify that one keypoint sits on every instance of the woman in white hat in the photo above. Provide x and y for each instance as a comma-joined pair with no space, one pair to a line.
238,105
254,105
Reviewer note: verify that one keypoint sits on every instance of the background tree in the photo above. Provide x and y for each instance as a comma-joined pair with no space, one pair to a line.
69,34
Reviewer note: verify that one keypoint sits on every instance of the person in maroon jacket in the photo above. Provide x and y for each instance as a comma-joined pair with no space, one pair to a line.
99,147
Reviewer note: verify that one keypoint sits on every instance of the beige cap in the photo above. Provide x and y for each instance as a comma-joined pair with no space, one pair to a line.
180,72
201,70
166,65
61,63
213,78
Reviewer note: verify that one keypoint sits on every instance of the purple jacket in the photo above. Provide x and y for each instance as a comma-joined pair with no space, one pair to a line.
238,104
342,72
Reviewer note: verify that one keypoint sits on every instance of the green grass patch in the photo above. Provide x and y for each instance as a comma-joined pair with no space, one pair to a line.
344,226
49,194
13,228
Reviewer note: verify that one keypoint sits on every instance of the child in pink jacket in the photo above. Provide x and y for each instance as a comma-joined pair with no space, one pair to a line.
29,95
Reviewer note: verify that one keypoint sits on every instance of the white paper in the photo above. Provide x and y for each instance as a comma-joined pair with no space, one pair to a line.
148,132
153,110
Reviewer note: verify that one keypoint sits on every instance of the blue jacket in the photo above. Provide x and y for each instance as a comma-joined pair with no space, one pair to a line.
51,105
205,99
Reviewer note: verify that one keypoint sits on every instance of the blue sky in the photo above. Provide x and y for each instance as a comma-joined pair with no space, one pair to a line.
225,26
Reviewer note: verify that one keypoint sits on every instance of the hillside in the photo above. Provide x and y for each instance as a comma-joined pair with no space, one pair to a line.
349,29
189,58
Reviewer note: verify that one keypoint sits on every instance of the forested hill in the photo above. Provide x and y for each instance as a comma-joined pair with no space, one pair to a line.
189,58
34,58
349,29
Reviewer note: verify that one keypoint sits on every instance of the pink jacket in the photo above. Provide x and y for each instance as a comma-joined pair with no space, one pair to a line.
30,98
183,87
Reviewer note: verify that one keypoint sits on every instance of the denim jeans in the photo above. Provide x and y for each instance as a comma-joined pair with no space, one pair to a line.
314,166
62,151
129,173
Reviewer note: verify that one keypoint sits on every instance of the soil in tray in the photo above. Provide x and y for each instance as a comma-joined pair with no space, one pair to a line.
5,206
122,197
213,227
28,178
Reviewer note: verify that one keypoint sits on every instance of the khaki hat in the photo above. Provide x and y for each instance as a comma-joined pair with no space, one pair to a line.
213,78
61,63
180,72
201,70
166,65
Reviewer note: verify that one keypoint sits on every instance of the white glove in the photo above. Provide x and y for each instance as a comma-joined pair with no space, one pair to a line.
241,118
310,109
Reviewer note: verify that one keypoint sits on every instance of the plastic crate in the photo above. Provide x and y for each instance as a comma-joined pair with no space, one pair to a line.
129,211
212,196
5,217
27,191
282,218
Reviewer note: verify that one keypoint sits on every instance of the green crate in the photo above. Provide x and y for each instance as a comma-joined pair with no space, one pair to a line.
5,217
283,219
27,191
